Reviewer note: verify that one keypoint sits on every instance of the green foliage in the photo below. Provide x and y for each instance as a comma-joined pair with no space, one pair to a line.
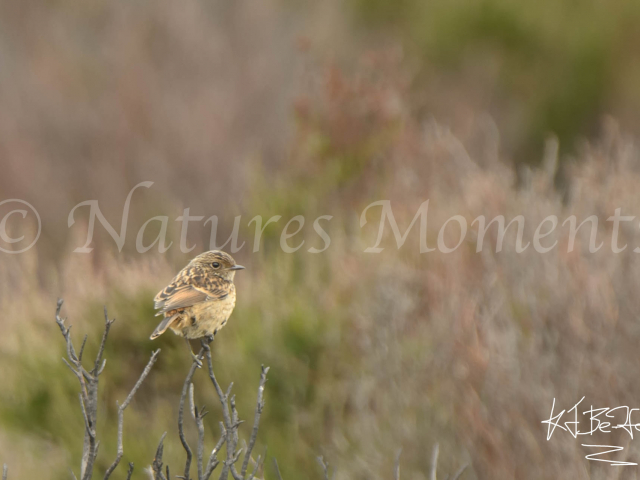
556,60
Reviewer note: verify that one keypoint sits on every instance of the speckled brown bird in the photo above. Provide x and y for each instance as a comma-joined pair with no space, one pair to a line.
199,300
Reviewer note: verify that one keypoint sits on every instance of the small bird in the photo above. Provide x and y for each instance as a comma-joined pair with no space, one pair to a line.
199,300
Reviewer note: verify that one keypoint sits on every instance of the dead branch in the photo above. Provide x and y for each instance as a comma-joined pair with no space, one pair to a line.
325,467
197,417
229,426
256,424
156,466
88,396
213,458
125,404
183,396
130,471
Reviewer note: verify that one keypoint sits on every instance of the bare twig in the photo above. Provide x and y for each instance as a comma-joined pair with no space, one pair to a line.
156,466
256,421
84,342
228,427
65,331
125,404
234,418
213,458
89,394
197,417
5,471
434,462
325,467
130,471
234,430
460,471
183,439
107,327
226,418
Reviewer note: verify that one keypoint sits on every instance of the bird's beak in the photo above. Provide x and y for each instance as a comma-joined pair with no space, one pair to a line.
236,267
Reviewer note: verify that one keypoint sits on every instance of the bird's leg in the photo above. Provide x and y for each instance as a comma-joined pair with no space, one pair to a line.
193,355
208,338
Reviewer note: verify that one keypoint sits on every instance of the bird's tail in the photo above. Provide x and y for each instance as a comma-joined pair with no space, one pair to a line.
163,325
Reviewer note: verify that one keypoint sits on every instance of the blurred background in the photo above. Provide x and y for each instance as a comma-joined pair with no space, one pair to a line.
275,107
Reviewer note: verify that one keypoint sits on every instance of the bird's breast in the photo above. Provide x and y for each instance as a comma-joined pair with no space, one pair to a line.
206,317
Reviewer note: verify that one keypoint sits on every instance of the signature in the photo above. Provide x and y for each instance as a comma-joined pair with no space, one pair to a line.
604,420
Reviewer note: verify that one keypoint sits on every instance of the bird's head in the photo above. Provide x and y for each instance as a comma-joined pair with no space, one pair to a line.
219,263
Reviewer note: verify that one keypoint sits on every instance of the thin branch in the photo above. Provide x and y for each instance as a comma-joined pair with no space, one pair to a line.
125,404
183,396
197,417
434,462
5,471
107,327
213,458
234,430
130,471
65,332
84,342
226,417
104,364
256,420
156,466
231,421
325,467
88,394
75,372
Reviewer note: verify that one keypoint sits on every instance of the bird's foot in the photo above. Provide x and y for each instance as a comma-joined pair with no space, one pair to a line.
195,357
208,338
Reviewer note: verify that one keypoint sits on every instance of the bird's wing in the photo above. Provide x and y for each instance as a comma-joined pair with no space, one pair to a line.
191,286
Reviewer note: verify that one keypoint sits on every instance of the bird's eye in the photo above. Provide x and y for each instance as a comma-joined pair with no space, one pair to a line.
215,265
